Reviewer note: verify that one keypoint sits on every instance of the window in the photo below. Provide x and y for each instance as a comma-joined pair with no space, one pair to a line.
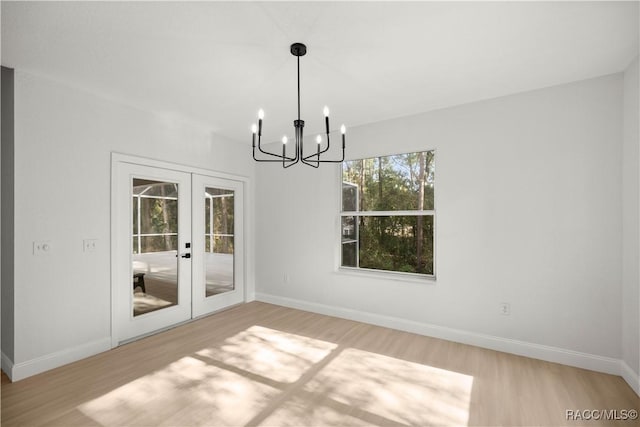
388,213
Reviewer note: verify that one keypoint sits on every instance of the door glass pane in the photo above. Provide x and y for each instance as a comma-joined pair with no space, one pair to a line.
219,240
155,245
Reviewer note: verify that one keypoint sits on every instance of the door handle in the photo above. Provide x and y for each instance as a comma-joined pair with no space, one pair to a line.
187,255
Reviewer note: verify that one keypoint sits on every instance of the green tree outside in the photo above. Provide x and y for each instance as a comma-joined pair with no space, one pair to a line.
403,182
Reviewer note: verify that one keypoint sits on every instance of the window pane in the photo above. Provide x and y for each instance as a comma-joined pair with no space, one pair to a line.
223,215
159,243
145,187
349,251
349,231
155,244
349,197
223,245
395,243
219,242
135,215
387,183
207,212
158,216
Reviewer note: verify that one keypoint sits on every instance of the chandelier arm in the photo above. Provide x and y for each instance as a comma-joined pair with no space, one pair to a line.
328,136
284,166
328,143
290,161
271,160
332,161
317,154
306,159
313,163
279,156
268,160
269,153
327,161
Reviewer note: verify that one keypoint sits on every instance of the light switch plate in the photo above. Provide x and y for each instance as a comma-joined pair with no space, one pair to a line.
42,247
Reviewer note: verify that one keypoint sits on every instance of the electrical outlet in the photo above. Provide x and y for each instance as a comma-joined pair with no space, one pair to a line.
286,278
505,308
89,245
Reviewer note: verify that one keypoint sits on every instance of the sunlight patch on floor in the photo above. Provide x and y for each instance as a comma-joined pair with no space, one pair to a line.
187,392
301,411
263,376
270,353
381,390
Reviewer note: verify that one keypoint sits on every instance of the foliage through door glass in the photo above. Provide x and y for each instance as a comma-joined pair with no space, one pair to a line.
155,216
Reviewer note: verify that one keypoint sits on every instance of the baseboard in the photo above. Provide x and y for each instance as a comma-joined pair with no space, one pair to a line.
551,354
630,377
7,365
35,366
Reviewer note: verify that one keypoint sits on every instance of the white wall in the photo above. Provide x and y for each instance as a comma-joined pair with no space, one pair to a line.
630,228
7,216
64,139
528,201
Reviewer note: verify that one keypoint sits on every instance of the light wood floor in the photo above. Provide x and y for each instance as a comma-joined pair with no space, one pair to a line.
260,364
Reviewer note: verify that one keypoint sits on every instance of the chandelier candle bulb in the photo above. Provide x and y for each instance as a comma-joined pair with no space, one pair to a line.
260,117
253,134
284,147
326,119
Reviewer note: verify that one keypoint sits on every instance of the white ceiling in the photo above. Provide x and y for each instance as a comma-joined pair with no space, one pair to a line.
216,63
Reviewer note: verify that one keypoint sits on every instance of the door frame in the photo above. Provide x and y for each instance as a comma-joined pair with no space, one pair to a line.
116,269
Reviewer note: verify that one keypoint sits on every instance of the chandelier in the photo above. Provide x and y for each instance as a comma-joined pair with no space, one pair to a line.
287,158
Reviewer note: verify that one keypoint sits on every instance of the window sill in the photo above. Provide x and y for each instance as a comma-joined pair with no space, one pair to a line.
388,275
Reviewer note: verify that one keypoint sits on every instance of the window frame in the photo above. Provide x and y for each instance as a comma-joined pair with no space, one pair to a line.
378,273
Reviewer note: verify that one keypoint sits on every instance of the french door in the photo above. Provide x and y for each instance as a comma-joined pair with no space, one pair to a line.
218,275
177,247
